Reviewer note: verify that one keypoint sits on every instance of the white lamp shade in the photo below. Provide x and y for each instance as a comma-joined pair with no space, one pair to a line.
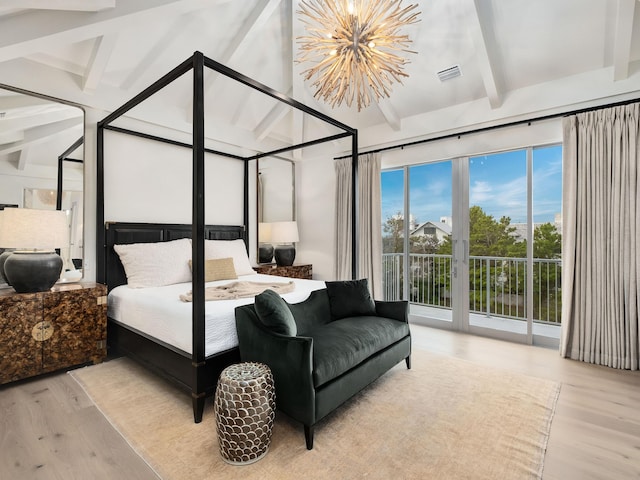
26,228
264,232
284,232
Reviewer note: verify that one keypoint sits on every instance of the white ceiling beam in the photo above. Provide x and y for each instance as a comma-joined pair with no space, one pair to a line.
41,31
267,124
485,44
38,117
12,136
182,27
40,134
258,17
622,42
390,115
102,49
78,5
23,158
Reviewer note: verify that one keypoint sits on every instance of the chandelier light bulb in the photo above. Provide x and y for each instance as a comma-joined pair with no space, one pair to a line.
362,55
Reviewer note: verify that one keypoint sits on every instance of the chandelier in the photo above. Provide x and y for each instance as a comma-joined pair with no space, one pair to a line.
357,47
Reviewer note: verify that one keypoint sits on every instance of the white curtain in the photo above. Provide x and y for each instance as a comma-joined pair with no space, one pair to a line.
343,219
369,245
600,263
369,223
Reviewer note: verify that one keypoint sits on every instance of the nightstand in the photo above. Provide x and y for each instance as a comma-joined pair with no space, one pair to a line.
47,331
293,271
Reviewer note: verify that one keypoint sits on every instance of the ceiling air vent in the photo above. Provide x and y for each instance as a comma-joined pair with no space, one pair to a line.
449,73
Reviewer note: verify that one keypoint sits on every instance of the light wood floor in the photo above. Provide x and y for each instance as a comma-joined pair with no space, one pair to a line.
49,429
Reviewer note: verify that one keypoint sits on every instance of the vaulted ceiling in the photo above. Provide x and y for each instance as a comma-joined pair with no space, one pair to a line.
518,59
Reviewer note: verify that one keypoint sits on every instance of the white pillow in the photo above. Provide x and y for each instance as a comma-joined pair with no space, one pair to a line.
235,249
156,264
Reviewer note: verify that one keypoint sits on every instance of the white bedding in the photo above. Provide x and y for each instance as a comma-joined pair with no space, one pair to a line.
158,311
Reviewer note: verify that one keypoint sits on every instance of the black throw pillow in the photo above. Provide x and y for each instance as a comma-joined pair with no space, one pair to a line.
274,313
350,298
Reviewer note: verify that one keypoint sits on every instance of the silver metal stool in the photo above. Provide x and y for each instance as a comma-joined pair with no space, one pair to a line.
244,406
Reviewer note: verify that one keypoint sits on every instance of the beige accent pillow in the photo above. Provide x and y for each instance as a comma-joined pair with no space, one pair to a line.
218,269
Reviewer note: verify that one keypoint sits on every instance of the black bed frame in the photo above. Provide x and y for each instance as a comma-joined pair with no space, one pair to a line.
199,374
164,359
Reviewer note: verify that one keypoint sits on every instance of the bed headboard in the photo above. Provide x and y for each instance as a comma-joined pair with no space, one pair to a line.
122,233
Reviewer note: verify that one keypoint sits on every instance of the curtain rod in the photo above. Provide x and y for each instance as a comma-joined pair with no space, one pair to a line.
493,127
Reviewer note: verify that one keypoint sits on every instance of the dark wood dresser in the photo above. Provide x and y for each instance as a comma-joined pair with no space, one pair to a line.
47,331
293,271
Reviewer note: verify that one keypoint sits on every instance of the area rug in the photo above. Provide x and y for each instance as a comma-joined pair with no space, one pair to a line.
444,419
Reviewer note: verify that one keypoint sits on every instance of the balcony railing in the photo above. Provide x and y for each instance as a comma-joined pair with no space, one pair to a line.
497,285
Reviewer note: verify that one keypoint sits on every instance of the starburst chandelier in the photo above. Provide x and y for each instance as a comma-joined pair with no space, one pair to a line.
357,48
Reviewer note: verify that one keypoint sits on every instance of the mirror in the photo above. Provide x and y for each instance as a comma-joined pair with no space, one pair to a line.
276,200
41,163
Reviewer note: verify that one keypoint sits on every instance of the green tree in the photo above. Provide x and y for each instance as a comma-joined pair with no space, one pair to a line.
547,241
489,237
393,239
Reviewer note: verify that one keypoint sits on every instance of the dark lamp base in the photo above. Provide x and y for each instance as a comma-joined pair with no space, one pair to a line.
265,253
285,255
29,272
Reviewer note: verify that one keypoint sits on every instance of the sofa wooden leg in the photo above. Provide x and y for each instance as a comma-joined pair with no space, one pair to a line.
308,436
408,360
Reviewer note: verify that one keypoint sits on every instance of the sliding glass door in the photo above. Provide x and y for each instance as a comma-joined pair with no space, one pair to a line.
480,251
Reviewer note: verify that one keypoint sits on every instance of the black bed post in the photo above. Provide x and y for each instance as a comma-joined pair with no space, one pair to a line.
247,229
197,235
354,204
101,253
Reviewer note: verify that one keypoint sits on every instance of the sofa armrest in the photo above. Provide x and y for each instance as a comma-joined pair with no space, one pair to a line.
395,310
289,358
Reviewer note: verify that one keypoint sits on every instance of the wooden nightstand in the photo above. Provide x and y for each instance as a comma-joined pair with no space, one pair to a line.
47,331
294,271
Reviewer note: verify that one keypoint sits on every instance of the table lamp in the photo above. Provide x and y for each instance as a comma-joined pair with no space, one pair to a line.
284,235
265,248
33,266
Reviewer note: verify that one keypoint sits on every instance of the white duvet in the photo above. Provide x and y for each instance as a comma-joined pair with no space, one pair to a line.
159,312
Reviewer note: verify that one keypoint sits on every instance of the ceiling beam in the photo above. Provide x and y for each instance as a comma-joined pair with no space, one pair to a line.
485,44
267,124
78,5
390,115
182,27
102,49
243,37
23,158
40,134
623,36
42,31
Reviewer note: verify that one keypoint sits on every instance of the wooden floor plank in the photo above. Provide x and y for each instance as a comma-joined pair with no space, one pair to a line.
50,429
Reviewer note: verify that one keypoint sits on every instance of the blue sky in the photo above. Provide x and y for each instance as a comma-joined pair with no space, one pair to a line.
497,183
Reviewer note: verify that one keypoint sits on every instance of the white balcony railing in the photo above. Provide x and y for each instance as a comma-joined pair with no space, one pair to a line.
497,285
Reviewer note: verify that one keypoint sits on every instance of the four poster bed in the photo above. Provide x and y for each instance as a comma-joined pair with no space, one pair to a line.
194,366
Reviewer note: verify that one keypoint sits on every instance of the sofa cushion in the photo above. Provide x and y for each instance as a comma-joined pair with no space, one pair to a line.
311,312
341,345
350,298
274,313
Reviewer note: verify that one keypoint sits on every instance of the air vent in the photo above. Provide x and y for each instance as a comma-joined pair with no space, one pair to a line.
449,73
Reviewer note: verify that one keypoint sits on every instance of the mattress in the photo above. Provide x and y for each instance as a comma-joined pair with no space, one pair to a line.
159,312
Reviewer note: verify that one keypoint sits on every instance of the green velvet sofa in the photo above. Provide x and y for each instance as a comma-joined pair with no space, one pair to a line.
324,350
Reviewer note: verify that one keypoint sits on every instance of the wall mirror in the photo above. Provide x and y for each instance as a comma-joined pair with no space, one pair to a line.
41,163
276,199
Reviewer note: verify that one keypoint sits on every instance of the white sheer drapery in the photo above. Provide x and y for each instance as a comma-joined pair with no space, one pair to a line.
343,219
369,247
600,288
